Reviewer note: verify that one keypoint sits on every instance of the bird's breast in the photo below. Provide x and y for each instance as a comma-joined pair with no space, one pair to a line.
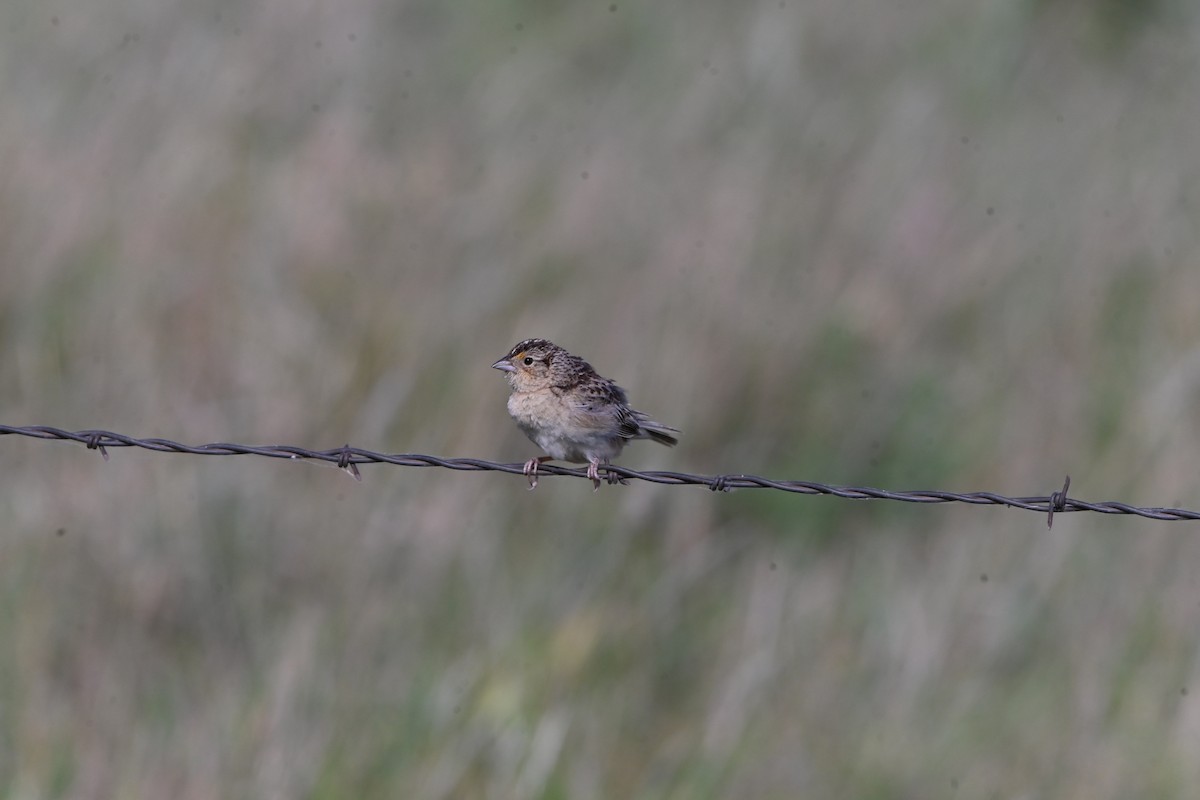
538,412
548,418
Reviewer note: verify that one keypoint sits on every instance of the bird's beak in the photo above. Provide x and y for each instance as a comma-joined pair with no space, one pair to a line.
505,365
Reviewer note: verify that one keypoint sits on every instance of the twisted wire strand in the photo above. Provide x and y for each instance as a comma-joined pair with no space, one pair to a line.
348,458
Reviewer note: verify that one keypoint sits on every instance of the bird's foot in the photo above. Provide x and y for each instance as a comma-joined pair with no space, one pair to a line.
593,472
531,470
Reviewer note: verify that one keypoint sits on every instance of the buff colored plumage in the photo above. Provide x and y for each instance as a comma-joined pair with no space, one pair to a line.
570,411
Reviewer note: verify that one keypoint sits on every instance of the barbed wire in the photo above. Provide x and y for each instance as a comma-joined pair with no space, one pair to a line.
348,458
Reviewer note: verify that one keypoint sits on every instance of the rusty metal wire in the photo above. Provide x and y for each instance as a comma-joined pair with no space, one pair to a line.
348,458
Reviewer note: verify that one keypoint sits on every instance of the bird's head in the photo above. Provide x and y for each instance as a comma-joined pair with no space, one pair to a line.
530,364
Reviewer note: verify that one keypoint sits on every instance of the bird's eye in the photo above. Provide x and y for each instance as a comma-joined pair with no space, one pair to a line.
528,361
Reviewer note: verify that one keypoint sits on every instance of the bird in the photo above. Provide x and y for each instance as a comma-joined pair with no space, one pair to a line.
570,411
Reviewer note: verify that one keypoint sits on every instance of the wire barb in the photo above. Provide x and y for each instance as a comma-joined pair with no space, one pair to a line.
719,483
348,458
345,464
1058,502
93,443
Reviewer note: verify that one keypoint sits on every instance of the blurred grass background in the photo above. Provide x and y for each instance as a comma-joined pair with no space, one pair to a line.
928,244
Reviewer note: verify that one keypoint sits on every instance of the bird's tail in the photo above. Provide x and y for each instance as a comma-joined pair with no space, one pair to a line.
663,434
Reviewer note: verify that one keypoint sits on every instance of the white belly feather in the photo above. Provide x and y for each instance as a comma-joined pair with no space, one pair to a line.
549,421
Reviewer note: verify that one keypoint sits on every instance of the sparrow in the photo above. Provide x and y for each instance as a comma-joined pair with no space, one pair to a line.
570,411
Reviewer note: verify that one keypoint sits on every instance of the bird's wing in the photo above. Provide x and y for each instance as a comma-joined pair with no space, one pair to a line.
601,405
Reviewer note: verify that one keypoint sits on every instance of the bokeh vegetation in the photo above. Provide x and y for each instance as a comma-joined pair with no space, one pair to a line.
915,245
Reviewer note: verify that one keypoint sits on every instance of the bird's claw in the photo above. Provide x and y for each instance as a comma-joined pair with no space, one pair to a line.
593,472
531,470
